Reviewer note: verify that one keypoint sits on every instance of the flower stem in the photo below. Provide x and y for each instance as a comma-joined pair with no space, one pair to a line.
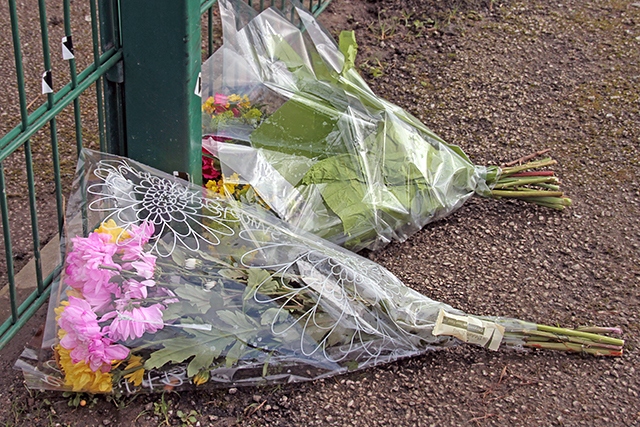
564,339
525,182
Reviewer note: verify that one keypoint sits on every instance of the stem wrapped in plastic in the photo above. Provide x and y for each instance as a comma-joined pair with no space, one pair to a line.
167,285
294,127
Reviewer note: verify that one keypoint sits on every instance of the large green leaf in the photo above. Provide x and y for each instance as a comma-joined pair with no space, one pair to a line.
258,277
203,346
207,345
240,323
349,49
304,122
346,199
339,168
196,295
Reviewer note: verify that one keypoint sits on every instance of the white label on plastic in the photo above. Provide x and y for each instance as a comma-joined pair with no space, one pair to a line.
469,329
47,82
67,48
198,90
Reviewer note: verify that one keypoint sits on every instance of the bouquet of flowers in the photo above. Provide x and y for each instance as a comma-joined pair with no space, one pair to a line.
289,117
167,285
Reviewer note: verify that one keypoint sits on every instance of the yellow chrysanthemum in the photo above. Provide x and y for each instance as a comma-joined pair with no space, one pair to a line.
216,188
136,376
60,309
117,233
234,98
80,376
224,186
240,101
201,377
209,105
73,293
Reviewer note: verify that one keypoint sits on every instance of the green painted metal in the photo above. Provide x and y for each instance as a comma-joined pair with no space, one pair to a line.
74,77
53,126
96,58
87,78
161,67
20,138
4,209
154,71
109,17
206,5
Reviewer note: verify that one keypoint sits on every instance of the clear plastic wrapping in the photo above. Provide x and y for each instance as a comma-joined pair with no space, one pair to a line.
286,114
166,286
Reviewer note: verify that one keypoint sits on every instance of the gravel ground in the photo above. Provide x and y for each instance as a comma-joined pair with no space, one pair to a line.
502,80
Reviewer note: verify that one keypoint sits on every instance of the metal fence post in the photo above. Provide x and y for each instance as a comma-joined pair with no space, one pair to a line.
161,55
114,140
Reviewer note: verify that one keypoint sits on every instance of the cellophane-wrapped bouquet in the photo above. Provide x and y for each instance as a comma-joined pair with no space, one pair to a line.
290,124
167,285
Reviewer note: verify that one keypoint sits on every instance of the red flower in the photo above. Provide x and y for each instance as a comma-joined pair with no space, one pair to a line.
209,170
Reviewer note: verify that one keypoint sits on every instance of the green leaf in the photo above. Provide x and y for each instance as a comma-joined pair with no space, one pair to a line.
346,199
287,54
204,255
308,123
240,322
258,277
177,310
196,296
352,365
234,353
203,346
349,49
178,257
273,315
232,274
292,168
337,168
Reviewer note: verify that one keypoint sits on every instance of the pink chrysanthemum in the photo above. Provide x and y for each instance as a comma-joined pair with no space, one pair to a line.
84,338
133,322
133,289
90,263
99,353
79,321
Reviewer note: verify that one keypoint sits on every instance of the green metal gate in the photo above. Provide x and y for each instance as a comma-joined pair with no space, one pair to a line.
50,111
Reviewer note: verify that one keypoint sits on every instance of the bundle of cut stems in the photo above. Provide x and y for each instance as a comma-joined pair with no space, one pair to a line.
582,340
528,183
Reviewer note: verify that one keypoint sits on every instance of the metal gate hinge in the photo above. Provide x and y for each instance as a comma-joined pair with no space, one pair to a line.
116,73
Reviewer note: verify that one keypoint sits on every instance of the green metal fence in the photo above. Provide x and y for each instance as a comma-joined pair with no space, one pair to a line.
52,111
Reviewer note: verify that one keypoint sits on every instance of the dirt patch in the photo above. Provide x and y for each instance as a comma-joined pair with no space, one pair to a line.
500,79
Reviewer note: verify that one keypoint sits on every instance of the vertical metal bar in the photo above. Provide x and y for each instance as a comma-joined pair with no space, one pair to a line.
210,30
53,129
7,242
95,37
162,112
33,210
320,6
27,152
3,197
74,78
112,83
18,58
76,106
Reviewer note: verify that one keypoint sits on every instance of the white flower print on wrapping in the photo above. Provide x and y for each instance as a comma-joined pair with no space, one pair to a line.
179,213
351,289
